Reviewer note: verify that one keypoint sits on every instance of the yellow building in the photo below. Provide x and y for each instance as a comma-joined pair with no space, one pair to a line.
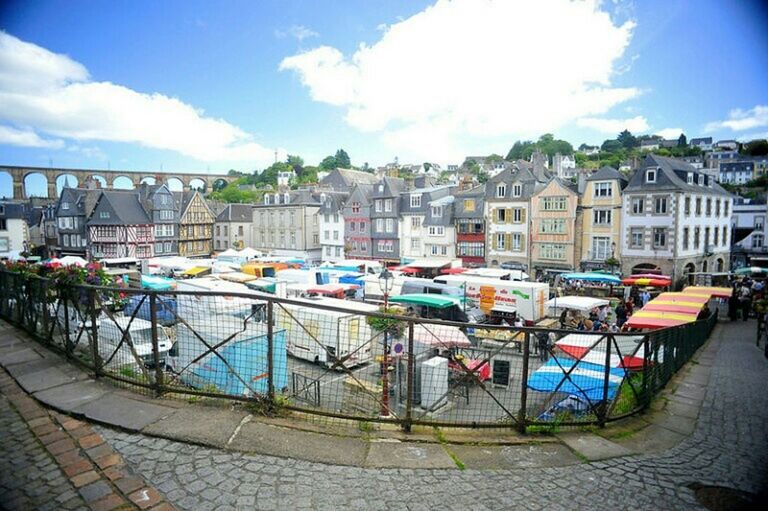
195,226
601,220
554,237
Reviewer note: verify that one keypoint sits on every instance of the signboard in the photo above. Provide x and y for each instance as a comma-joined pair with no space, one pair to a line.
487,298
397,349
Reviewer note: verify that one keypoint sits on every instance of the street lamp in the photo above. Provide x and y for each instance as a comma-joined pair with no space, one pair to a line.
386,280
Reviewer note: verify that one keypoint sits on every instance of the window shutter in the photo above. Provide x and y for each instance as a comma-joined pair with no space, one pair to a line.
509,216
493,241
522,243
508,242
522,215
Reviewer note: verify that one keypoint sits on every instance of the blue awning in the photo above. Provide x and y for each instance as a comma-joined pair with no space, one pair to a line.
585,381
593,277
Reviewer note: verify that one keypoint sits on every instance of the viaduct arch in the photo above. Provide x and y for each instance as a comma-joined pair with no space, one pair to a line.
52,174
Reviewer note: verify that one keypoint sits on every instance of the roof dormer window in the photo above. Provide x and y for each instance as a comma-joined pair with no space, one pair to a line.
286,198
690,178
650,176
266,198
701,179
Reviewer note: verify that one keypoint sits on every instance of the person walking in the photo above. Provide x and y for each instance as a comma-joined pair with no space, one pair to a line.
543,345
733,303
745,300
621,314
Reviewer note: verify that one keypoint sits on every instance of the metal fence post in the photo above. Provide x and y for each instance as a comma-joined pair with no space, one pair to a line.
409,381
523,412
646,355
603,416
155,344
94,334
44,308
270,353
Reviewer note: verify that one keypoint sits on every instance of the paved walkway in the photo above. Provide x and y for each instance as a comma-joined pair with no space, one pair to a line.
719,411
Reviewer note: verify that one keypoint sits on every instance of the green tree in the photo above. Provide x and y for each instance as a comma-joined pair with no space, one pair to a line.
518,150
627,140
611,146
342,159
329,163
295,161
756,148
309,175
494,158
682,141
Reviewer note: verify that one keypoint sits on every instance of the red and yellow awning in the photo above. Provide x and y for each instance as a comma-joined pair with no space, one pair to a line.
708,291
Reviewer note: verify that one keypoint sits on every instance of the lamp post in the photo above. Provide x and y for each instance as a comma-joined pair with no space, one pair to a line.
386,280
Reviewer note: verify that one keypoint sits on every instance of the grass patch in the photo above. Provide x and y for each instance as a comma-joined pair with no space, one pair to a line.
365,426
459,464
440,436
626,400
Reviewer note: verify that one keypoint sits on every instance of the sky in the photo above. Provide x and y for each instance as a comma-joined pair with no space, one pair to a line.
208,86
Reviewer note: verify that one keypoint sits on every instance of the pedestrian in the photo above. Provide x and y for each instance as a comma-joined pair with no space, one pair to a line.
630,306
745,300
645,297
543,345
621,314
733,303
563,318
602,313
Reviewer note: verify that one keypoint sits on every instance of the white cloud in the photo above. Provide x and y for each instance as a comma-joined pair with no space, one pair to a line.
740,120
26,138
475,69
51,93
670,133
636,124
299,32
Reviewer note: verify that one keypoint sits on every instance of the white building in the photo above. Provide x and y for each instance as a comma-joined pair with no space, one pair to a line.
14,231
564,165
440,239
413,229
331,219
749,231
675,219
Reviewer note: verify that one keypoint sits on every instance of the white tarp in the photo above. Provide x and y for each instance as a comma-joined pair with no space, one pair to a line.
579,303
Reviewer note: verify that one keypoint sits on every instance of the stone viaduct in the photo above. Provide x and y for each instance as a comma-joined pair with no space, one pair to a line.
19,175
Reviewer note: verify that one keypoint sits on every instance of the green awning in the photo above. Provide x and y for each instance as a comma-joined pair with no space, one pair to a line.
428,299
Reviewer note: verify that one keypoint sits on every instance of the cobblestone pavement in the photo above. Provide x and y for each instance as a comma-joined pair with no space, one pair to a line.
729,448
29,476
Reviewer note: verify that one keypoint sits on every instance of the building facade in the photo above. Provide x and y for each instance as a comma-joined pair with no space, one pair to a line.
748,233
440,230
737,172
414,210
163,210
675,220
14,231
286,224
357,223
555,239
120,227
72,212
469,222
331,226
195,225
385,215
233,227
601,219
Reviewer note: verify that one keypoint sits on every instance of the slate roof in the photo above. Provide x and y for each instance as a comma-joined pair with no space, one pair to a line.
13,210
346,178
702,140
671,177
124,207
477,193
236,213
523,176
607,173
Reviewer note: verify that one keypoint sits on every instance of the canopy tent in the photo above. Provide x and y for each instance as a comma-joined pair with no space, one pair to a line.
579,303
249,253
73,261
752,270
440,336
586,380
629,356
658,319
649,276
352,278
683,307
156,283
430,300
230,252
646,281
716,292
681,297
593,277
53,262
197,271
237,276
453,271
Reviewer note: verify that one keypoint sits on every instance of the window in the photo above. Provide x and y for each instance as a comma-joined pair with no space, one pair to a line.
517,242
437,211
379,225
469,205
293,239
218,230
336,235
338,251
378,205
660,205
650,176
659,237
602,216
552,226
352,226
315,239
759,223
326,218
363,246
66,240
166,214
709,207
716,240
158,248
725,236
636,237
355,207
687,206
500,242
706,238
517,215
239,230
103,214
603,189
388,205
4,244
362,226
390,225
553,203
167,246
326,235
601,248
696,237
443,250
689,178
501,215
415,222
433,250
335,217
226,229
638,205
686,234
698,205
757,241
436,230
416,201
554,251
501,190
517,190
725,207
415,244
701,179
470,249
717,207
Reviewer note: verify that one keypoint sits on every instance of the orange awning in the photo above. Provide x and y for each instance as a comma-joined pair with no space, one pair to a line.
717,292
659,319
681,307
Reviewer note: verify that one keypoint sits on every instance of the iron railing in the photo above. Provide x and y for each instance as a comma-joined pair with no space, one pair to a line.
307,356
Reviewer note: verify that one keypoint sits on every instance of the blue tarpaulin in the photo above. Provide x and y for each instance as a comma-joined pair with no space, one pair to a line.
593,277
585,381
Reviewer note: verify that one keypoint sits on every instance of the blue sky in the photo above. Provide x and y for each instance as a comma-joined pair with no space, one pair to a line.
205,85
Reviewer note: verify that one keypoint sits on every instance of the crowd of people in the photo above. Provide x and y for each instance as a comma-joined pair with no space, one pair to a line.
745,293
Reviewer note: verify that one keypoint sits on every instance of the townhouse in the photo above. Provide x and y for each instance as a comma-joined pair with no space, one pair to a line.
196,221
507,203
233,227
72,212
119,226
555,244
469,218
748,232
675,220
159,203
415,208
14,231
385,238
286,224
357,223
440,240
331,226
601,219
